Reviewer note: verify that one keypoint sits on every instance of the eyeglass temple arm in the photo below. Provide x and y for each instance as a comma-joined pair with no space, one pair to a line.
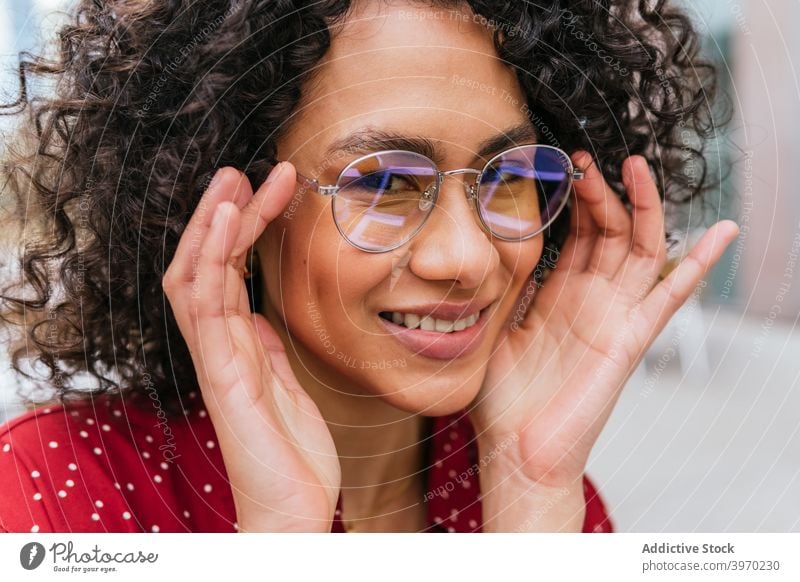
309,183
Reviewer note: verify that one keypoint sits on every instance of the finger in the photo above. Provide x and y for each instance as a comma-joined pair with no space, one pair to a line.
216,288
665,299
581,238
648,245
227,185
267,203
612,218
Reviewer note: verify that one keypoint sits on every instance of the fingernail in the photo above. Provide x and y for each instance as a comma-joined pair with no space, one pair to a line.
275,172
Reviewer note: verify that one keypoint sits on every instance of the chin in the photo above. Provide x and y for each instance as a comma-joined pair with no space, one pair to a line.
438,396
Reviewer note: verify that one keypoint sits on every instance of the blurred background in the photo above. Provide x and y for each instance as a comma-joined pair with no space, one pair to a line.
706,436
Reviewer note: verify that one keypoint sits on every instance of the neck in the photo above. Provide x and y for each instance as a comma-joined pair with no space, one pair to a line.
381,453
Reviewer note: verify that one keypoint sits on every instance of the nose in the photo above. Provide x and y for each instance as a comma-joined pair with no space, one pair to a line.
452,245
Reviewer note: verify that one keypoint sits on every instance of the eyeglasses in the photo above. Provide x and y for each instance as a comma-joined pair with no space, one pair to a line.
383,199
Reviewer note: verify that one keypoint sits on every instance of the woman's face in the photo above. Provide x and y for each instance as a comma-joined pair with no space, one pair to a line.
418,73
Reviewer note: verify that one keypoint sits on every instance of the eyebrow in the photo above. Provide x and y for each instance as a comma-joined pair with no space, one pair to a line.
368,139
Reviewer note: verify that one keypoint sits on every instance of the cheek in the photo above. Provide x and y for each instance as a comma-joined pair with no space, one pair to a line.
342,280
520,260
284,251
316,281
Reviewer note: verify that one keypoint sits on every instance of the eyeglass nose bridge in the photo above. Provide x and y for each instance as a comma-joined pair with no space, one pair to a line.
431,193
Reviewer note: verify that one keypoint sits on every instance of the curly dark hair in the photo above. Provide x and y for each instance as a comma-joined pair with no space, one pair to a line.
152,96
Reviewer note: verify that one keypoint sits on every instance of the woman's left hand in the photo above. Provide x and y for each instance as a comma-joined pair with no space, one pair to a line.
555,376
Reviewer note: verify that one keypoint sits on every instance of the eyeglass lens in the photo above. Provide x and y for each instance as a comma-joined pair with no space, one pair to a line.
384,199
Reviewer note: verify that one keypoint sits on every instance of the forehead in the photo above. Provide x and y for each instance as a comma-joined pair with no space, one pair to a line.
415,68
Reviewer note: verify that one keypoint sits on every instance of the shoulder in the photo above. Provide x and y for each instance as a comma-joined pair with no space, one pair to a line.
112,464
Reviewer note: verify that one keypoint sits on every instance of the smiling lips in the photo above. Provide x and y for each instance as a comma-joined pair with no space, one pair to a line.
435,336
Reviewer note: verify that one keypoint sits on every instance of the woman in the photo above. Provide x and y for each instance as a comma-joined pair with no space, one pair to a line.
319,362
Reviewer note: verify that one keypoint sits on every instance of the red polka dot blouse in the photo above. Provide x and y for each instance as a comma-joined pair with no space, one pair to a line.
115,465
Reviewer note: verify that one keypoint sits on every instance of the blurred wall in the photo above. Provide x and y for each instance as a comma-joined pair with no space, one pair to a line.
766,63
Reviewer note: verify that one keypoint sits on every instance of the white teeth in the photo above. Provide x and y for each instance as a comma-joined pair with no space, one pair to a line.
428,323
444,326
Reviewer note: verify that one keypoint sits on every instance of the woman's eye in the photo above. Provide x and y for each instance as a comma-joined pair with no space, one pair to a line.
505,175
388,181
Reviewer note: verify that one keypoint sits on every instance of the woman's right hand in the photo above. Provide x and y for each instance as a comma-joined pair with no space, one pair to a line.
278,452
